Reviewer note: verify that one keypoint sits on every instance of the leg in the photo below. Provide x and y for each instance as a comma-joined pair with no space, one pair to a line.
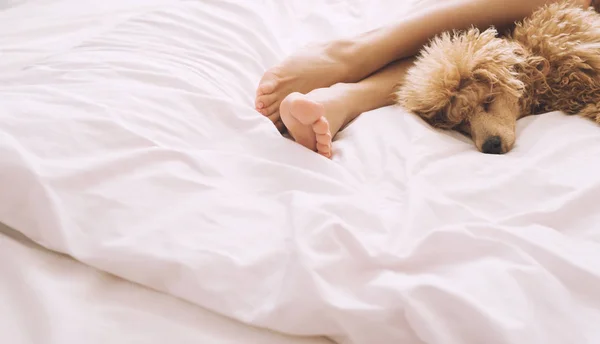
351,60
314,118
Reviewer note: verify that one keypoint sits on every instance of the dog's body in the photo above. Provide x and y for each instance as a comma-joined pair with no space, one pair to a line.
480,84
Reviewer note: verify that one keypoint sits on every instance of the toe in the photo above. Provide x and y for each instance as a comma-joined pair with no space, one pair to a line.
270,110
323,148
265,100
326,154
324,138
275,117
321,126
266,87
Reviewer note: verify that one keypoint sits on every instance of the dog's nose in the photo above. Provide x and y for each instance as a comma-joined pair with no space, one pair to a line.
493,145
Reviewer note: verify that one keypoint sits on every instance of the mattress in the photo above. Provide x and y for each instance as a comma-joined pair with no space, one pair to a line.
129,142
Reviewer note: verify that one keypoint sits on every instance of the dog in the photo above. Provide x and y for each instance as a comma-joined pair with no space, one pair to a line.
480,84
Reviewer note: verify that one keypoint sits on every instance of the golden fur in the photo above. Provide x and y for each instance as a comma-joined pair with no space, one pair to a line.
480,84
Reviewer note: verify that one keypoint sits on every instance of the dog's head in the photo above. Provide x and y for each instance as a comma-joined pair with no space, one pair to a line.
467,82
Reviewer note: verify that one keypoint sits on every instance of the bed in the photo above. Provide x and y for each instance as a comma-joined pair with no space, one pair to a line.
46,297
146,201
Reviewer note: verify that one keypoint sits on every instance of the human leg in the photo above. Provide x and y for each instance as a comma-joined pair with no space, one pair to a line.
351,60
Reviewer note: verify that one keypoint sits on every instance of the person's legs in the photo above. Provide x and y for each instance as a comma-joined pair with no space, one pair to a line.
351,60
312,119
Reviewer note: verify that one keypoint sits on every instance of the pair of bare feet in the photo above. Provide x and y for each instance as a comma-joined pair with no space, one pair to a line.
306,96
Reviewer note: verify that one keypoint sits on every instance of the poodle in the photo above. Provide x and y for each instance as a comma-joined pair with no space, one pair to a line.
480,84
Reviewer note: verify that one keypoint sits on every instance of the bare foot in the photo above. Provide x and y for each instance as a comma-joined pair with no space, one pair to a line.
313,119
313,67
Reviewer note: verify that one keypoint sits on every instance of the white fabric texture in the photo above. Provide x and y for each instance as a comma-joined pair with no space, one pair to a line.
50,298
132,145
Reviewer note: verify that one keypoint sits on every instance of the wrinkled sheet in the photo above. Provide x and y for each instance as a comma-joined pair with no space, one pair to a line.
135,149
49,298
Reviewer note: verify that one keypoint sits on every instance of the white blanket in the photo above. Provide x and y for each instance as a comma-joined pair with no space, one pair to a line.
49,298
135,149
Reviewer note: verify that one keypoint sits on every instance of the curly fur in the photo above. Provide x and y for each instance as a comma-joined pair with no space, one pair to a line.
480,84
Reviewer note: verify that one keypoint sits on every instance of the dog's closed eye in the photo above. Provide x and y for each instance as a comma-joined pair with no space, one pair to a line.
487,103
464,128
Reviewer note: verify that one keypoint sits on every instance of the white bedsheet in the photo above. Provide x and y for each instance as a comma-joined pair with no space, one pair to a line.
135,149
50,298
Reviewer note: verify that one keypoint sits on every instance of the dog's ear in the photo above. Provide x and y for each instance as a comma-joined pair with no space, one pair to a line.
495,64
434,79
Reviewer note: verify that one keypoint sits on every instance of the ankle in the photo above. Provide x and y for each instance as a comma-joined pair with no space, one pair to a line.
349,56
348,101
357,98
